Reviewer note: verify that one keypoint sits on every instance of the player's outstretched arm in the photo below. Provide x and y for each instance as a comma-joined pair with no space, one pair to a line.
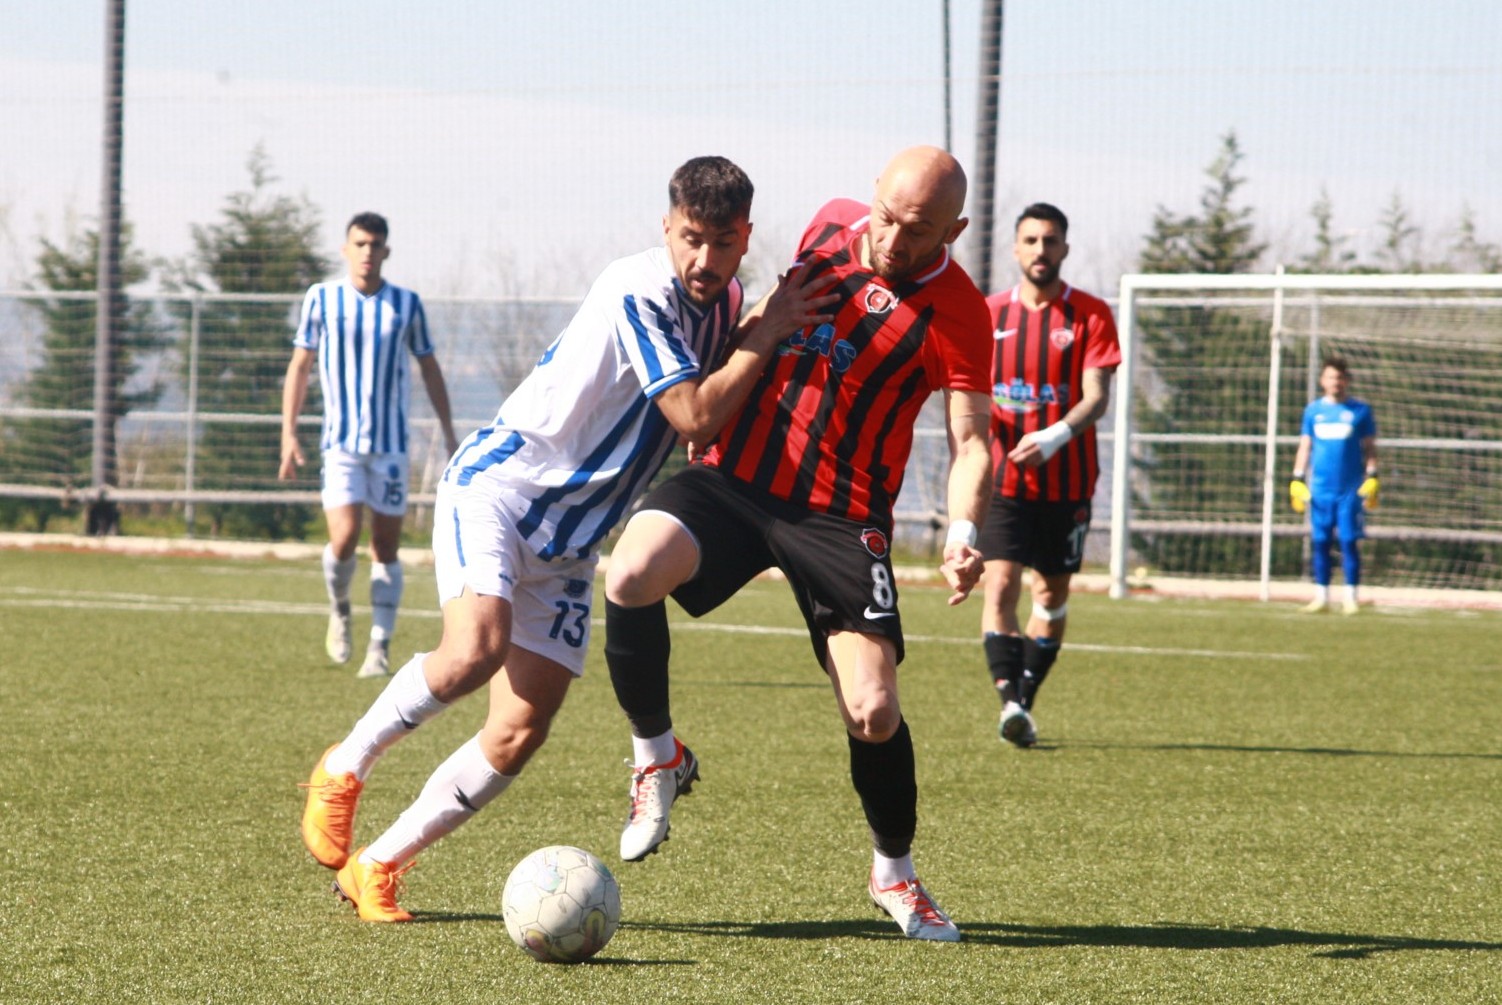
294,393
969,425
698,408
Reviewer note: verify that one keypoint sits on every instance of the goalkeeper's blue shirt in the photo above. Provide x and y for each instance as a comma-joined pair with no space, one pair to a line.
1337,428
362,344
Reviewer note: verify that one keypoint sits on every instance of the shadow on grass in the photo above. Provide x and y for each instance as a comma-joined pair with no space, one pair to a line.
1235,748
1162,935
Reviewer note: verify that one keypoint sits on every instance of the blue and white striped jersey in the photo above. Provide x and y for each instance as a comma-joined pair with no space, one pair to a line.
362,343
580,438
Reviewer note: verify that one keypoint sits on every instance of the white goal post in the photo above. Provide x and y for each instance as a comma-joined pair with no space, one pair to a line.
1215,374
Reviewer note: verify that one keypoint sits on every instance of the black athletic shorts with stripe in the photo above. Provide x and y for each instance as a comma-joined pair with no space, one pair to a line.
840,570
1047,537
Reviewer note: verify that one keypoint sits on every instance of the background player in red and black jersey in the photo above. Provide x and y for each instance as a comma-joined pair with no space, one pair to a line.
804,479
1056,349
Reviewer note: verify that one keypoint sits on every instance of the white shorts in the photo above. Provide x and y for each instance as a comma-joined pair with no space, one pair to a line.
375,480
476,546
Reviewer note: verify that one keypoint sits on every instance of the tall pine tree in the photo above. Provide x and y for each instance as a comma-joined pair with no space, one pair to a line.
262,243
58,452
1203,370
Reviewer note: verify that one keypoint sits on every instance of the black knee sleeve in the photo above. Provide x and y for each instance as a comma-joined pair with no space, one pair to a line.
885,778
637,646
1038,658
1004,657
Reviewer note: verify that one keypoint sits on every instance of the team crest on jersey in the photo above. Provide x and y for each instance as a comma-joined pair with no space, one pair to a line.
1062,338
879,299
875,542
575,588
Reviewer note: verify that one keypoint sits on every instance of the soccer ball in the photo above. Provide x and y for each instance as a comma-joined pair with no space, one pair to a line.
561,904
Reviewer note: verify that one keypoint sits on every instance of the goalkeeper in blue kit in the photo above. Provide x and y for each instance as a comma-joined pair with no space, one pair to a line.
1335,481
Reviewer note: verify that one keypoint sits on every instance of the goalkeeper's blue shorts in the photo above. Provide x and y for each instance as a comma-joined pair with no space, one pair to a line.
1343,515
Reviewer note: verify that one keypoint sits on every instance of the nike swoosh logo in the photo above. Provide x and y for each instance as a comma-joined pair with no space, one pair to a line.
871,615
1002,333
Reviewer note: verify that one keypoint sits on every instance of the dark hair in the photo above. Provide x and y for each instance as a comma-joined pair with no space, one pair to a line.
1338,364
1046,212
711,190
371,223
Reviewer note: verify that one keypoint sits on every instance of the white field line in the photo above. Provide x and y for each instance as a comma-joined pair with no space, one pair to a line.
22,596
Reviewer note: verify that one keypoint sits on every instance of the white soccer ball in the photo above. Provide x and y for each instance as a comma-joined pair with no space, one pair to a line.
561,904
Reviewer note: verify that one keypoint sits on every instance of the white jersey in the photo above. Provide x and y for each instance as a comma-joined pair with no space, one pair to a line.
580,438
362,344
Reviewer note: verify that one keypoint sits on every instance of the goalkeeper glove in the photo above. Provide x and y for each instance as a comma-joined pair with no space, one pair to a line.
1368,492
1298,495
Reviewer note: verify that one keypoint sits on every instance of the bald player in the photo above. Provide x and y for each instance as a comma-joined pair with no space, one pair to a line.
804,479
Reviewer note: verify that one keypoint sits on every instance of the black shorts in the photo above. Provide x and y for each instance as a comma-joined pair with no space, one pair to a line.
1047,537
840,570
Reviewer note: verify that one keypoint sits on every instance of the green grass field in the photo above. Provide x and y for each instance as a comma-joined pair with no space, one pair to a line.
1230,803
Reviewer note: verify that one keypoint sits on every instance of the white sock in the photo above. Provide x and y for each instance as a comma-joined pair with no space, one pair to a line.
1350,593
405,704
337,576
458,790
385,598
891,871
1322,594
659,749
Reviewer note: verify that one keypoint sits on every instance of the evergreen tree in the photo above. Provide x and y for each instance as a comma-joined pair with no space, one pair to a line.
1203,368
58,452
263,243
1399,250
1469,253
1330,254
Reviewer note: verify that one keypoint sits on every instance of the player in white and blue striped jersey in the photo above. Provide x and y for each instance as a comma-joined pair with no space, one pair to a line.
360,332
654,355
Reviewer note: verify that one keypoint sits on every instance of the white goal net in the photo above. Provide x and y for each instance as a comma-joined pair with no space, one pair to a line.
1216,375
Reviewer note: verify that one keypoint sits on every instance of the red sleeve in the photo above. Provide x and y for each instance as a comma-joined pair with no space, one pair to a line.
961,341
1102,347
836,216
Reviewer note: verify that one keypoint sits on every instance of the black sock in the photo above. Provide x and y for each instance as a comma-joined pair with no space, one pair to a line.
1037,660
886,780
1004,660
637,646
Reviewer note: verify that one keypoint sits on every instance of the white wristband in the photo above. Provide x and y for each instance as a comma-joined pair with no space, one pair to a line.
1051,439
961,532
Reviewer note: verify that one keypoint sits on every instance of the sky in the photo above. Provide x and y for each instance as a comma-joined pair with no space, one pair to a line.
518,148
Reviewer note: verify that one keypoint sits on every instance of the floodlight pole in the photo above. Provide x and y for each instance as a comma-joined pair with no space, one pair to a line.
987,114
948,83
109,311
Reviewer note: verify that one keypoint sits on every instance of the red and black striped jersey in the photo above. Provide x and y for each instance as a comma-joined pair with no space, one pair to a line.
829,424
1037,377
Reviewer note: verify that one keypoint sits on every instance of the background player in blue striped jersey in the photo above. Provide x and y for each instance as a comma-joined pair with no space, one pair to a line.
1338,452
526,500
360,331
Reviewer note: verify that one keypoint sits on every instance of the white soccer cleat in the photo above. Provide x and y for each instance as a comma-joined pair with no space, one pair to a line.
377,664
653,791
914,911
1315,607
1350,607
1016,726
336,642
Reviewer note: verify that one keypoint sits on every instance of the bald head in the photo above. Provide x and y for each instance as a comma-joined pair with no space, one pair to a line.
915,213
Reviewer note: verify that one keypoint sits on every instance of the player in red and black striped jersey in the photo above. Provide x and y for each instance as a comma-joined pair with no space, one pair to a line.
804,479
1056,349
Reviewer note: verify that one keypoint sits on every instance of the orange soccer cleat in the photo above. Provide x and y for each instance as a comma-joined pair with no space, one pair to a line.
328,819
371,887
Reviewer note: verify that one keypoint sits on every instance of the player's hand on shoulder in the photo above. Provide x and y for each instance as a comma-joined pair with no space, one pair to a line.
797,301
961,569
